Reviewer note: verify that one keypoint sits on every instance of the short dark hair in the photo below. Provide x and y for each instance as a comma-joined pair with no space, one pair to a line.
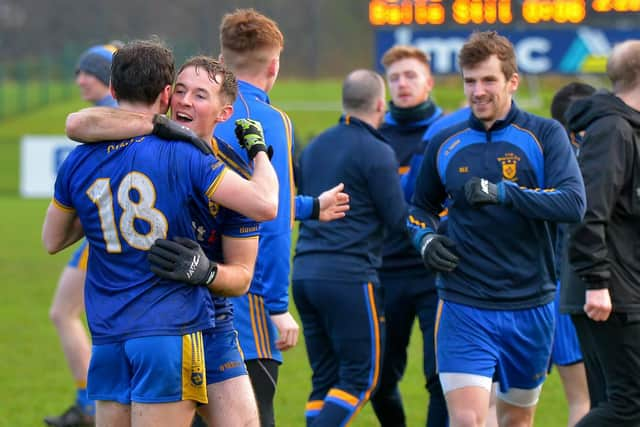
565,96
360,89
482,45
140,70
215,69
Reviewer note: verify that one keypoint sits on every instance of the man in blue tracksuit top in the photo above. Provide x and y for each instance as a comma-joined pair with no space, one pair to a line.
251,44
509,177
335,283
409,289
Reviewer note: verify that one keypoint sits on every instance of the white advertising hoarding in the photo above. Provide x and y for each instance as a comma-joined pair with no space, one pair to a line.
40,158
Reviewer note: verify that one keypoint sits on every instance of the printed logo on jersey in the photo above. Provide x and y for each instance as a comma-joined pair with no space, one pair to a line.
509,166
196,378
214,208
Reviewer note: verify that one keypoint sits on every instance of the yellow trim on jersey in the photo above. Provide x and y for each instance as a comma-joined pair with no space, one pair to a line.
376,356
240,238
214,185
435,330
314,405
417,222
62,207
530,134
226,159
84,258
403,169
287,125
344,396
259,326
194,376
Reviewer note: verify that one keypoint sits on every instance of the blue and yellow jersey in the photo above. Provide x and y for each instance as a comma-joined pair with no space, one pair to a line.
506,251
405,138
127,194
349,249
271,277
211,222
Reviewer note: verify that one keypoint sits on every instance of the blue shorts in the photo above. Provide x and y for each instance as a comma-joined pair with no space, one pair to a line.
155,369
256,332
512,347
566,347
223,356
80,256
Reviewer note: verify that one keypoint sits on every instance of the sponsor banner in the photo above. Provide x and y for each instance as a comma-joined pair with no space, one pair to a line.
578,50
40,159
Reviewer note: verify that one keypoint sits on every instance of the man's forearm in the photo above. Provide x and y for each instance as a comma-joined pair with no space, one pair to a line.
102,124
265,179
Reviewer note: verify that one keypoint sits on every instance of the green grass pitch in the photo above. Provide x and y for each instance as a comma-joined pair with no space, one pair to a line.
33,373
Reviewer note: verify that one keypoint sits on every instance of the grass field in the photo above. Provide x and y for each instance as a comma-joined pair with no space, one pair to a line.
34,377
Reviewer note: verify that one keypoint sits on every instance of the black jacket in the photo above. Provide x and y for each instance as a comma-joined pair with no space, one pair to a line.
604,250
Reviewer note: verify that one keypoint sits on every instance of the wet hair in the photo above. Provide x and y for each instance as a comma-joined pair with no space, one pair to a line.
482,45
216,70
140,70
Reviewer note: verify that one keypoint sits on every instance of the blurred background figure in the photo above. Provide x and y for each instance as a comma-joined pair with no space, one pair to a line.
92,77
92,74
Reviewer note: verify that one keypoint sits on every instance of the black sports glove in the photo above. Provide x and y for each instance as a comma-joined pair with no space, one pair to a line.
166,128
480,191
182,260
251,137
436,251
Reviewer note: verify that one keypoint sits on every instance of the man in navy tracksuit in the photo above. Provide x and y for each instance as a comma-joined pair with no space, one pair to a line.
409,289
335,283
509,177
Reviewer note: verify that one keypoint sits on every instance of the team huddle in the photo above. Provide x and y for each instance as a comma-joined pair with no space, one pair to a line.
459,220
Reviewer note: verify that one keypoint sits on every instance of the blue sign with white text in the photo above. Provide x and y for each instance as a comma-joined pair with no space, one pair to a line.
578,50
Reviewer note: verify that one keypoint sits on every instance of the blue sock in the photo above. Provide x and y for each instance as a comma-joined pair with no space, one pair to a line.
87,405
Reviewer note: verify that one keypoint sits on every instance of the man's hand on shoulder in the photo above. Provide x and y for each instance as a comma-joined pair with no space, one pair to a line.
166,128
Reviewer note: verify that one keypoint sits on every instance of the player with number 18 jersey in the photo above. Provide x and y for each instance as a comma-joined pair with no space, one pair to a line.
127,194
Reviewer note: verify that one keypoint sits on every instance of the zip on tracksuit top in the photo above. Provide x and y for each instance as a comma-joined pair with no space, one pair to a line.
506,250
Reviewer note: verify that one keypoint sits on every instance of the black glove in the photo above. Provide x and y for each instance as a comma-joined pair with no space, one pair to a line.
479,191
170,130
436,251
251,137
182,260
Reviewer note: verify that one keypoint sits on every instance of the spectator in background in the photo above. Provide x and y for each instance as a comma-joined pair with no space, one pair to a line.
409,289
92,77
92,74
495,264
603,249
335,281
566,354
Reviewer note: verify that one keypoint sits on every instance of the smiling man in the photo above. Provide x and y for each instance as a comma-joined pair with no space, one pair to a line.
510,177
409,290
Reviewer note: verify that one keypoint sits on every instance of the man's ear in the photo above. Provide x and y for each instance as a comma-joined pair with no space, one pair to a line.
165,97
224,115
112,92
